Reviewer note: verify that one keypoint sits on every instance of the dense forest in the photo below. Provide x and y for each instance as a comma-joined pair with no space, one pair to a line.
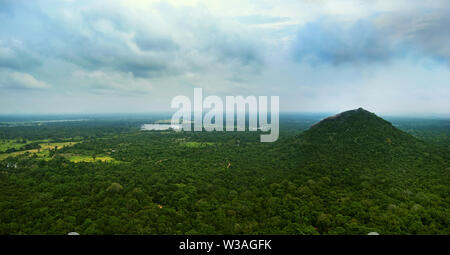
352,173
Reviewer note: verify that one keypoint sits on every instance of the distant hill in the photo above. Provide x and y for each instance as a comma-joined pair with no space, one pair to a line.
359,128
358,137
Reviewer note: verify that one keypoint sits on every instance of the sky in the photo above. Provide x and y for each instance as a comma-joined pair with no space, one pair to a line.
390,57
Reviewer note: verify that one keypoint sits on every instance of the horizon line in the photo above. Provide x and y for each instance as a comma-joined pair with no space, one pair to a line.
386,114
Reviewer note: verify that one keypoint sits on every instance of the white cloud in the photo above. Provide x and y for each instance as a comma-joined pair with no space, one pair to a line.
108,82
18,80
133,53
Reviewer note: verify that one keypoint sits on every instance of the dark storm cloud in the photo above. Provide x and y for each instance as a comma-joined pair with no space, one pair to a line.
327,41
416,34
428,35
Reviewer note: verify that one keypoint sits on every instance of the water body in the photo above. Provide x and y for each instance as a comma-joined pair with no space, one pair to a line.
160,127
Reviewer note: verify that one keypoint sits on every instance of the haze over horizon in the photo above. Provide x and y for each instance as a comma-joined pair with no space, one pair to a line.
87,57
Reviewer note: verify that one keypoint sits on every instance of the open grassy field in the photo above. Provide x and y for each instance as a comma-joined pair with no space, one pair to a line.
43,152
84,158
16,143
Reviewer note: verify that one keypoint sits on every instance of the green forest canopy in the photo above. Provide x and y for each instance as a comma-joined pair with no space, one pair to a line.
355,177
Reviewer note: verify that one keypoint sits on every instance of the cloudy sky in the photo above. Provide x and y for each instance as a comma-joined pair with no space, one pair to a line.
135,56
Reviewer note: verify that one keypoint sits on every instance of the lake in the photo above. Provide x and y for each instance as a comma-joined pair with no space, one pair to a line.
160,127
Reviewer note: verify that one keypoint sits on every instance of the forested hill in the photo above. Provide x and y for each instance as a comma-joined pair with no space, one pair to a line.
362,138
359,128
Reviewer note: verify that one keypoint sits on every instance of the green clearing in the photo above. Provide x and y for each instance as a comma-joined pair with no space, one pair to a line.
42,153
84,158
196,144
6,144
